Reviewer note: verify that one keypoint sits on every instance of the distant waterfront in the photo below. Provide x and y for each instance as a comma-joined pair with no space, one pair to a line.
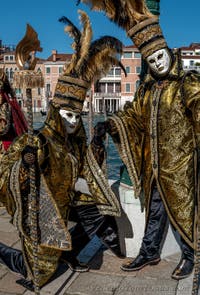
113,160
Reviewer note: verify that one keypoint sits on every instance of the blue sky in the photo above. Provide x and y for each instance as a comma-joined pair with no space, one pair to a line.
179,23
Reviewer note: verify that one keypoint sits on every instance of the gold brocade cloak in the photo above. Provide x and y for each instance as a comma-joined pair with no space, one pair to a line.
61,162
159,133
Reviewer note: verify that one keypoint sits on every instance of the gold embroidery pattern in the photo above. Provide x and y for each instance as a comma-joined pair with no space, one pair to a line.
99,186
70,90
147,34
126,155
153,130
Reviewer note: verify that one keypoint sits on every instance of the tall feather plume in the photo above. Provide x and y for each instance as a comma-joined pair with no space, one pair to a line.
125,13
91,58
101,52
74,33
86,38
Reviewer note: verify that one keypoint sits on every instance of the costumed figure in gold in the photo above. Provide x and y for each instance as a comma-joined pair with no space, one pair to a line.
58,154
157,136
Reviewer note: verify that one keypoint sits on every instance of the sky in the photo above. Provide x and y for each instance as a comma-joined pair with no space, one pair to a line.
179,22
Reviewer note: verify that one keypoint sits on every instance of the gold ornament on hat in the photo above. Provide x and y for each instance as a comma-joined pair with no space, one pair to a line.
27,77
90,61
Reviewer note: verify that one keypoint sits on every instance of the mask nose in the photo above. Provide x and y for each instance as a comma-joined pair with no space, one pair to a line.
157,62
73,120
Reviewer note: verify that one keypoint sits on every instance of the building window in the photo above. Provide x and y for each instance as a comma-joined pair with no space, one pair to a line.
60,69
48,90
102,88
117,87
110,87
127,70
137,54
191,62
138,70
117,72
127,55
48,70
11,73
128,87
6,57
11,57
39,91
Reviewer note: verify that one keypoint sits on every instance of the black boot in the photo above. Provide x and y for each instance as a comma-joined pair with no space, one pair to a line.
186,264
183,269
139,262
13,259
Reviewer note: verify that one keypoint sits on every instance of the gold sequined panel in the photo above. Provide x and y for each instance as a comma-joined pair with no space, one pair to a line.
103,195
48,261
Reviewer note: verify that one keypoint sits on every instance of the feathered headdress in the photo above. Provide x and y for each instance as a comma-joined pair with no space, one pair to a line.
89,62
133,16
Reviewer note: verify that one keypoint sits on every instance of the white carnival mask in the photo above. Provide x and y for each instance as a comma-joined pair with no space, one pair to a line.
160,61
70,119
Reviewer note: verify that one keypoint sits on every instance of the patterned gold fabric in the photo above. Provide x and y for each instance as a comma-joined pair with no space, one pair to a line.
61,162
158,138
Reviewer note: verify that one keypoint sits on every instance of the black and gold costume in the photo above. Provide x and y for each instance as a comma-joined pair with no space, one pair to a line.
159,135
60,162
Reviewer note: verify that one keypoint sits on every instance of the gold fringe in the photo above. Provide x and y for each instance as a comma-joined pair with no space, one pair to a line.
28,79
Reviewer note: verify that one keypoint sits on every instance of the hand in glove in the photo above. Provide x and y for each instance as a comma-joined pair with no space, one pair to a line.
99,133
29,155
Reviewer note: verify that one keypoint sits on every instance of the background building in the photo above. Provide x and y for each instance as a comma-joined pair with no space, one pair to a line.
108,94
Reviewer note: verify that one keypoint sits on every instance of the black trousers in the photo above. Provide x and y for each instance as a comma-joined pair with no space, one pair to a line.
89,223
155,230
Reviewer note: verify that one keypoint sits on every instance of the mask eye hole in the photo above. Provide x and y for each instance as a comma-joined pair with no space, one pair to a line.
78,117
69,115
151,61
160,56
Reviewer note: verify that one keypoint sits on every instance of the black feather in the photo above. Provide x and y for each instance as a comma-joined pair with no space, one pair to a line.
106,41
76,31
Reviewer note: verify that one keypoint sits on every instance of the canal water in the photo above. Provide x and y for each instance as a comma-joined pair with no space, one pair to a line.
113,161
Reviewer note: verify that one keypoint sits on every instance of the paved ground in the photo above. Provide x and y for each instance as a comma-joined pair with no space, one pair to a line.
104,277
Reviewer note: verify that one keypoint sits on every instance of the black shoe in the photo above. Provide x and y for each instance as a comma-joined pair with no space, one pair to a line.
139,262
26,284
74,264
183,269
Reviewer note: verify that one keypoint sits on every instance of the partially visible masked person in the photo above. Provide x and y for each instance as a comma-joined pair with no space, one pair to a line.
12,119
